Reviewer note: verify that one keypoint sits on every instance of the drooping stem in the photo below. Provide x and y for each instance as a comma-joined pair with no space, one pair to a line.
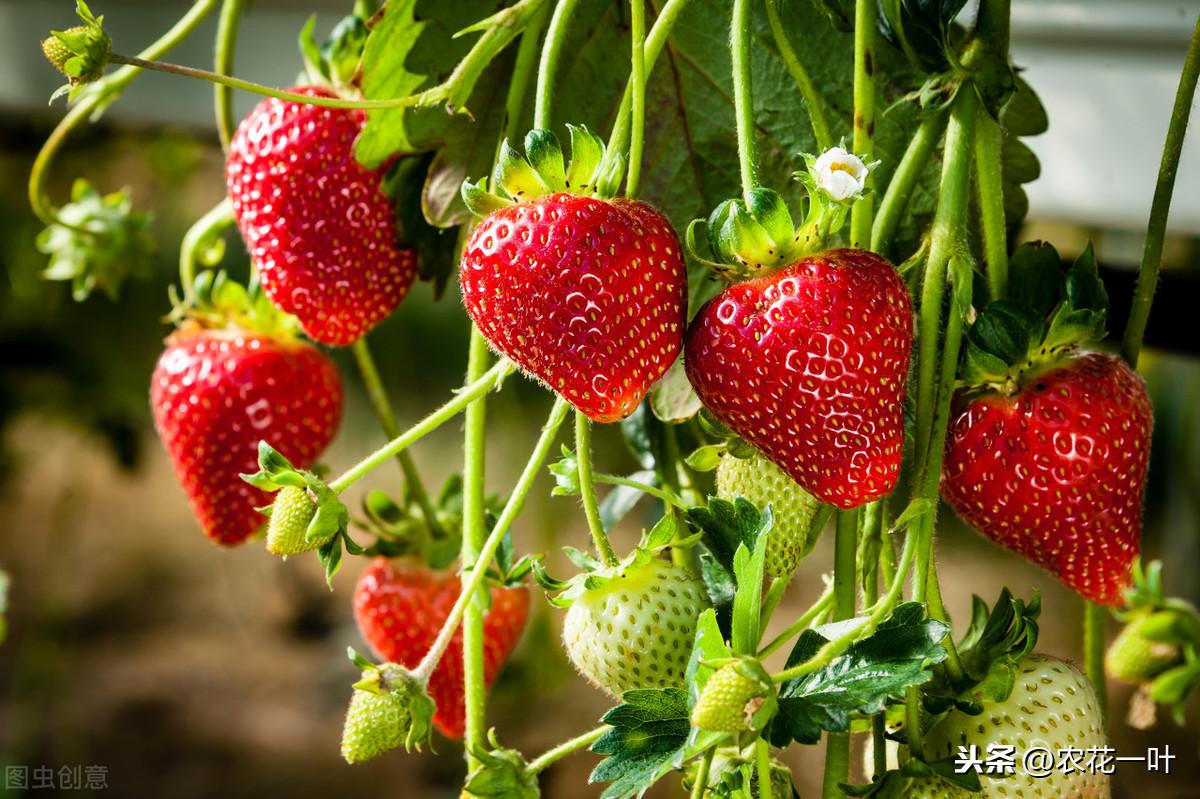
812,98
219,217
669,498
864,113
381,403
512,508
900,187
98,94
462,399
762,754
1095,621
948,224
226,44
1160,207
556,36
587,489
845,593
801,623
990,193
743,98
700,786
474,533
552,756
637,77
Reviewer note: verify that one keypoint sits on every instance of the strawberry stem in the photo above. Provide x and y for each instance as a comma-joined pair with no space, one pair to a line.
1160,207
462,400
221,216
904,180
824,601
381,403
637,79
763,757
1095,620
226,44
512,508
812,98
700,786
587,489
670,498
98,95
556,36
990,185
864,113
743,100
552,756
845,594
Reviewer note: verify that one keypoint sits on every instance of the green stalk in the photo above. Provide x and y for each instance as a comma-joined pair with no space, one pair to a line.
556,36
1160,207
95,97
763,757
637,77
474,533
668,497
462,400
743,99
587,489
382,405
948,224
812,98
1095,620
990,192
801,623
511,510
219,217
904,180
226,44
864,113
845,592
552,756
700,786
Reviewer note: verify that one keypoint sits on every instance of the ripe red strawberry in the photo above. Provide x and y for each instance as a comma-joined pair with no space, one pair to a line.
587,295
316,222
400,608
1055,471
216,394
809,365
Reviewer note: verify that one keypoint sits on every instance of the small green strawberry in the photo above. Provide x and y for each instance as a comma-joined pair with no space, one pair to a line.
288,527
1136,657
739,696
80,53
763,483
389,709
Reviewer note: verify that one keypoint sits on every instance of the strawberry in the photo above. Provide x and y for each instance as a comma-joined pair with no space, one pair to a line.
400,608
809,365
1135,656
733,697
316,222
1052,706
216,393
388,709
287,528
1053,467
763,483
586,294
634,627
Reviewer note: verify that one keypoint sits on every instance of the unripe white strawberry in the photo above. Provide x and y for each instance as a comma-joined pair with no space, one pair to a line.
763,483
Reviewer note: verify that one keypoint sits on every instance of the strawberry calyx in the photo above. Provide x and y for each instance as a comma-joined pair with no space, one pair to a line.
1051,314
756,234
390,708
499,773
80,53
334,63
591,171
219,302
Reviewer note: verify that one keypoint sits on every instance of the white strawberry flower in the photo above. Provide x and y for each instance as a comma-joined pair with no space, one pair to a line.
840,175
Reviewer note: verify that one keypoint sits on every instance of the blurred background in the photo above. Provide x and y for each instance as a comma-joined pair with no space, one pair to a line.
179,669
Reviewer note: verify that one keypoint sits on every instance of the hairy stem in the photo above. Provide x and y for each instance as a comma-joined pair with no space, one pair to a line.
382,405
508,514
990,192
97,95
743,98
1160,207
762,754
802,622
904,180
864,113
845,593
669,498
462,399
700,786
637,78
226,44
1095,620
556,36
812,98
552,756
587,489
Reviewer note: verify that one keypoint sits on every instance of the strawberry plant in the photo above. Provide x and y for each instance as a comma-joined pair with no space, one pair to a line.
787,277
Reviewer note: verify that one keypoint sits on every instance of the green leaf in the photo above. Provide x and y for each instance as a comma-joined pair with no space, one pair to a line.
748,570
566,474
648,730
721,587
672,398
709,646
896,656
386,76
706,458
728,525
1024,115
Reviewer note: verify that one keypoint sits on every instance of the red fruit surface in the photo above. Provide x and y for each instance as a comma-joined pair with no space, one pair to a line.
1056,471
316,222
809,365
589,296
400,608
216,394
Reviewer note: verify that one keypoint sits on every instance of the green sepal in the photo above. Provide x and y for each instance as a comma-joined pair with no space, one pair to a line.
499,773
335,62
406,703
516,176
545,156
1002,336
706,458
274,471
587,152
80,53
